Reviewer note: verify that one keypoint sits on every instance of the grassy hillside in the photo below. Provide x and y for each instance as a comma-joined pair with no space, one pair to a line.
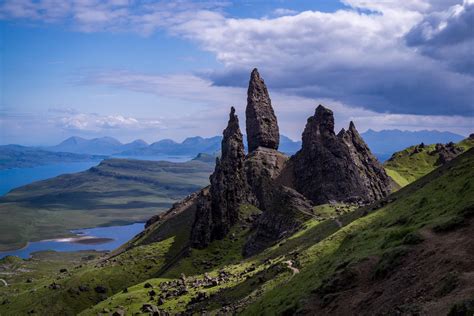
414,162
117,191
344,259
16,156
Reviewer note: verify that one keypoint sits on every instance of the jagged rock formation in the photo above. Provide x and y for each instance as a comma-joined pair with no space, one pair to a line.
329,167
446,152
261,122
228,189
371,171
336,168
262,166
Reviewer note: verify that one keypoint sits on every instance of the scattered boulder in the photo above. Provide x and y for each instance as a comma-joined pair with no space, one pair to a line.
119,312
100,289
54,286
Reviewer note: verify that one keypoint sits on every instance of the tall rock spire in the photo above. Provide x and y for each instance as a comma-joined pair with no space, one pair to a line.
219,210
261,122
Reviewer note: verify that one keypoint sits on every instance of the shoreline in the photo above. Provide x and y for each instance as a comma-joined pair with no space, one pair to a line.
75,236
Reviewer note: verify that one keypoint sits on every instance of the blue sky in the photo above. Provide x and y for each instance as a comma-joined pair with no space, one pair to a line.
159,69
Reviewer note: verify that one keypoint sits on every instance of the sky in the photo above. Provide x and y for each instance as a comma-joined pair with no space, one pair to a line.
144,69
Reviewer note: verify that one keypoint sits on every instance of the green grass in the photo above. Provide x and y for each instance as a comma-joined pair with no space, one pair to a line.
118,191
434,199
263,284
406,166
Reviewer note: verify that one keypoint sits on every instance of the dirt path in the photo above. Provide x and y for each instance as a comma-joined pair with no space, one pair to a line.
4,282
289,264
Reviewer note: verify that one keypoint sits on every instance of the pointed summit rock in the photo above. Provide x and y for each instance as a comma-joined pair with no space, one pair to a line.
371,172
218,210
261,122
326,168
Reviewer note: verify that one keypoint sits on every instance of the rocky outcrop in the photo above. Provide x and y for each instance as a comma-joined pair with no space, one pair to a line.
328,167
285,210
262,167
331,168
370,170
218,212
446,152
261,122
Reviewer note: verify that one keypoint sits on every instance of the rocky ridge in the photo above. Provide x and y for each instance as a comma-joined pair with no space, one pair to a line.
328,168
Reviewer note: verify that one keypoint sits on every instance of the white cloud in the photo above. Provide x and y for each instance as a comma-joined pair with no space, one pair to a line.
354,57
292,111
355,61
284,11
96,122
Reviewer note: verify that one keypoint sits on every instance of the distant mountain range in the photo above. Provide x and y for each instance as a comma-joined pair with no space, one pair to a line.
191,146
74,149
96,146
382,143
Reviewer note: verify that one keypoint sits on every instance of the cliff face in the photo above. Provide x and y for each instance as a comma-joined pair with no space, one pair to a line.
328,167
262,125
371,171
324,169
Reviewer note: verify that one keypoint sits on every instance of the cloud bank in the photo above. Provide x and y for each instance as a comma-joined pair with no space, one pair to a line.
400,64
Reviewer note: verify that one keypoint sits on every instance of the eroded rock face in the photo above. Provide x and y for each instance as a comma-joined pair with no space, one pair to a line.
262,166
371,171
261,122
331,168
218,212
284,212
202,227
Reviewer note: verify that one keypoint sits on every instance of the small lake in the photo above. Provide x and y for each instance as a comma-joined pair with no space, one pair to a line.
97,238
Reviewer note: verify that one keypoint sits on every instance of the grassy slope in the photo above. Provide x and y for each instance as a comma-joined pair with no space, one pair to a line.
405,167
115,192
438,198
263,284
116,273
